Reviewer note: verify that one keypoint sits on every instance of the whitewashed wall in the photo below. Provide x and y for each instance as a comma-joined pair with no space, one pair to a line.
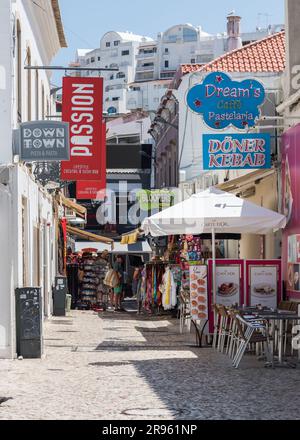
6,273
5,82
38,31
39,215
27,13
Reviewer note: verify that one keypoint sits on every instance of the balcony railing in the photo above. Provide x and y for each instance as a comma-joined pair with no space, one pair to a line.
145,68
146,55
141,78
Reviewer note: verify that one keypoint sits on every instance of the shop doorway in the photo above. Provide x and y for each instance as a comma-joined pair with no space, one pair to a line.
130,262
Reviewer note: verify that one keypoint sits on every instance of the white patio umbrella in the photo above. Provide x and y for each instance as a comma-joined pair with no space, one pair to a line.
213,211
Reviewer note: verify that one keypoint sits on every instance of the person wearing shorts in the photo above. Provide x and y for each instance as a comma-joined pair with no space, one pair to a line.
118,267
117,296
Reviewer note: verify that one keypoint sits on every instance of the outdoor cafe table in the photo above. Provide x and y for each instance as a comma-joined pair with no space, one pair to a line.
280,316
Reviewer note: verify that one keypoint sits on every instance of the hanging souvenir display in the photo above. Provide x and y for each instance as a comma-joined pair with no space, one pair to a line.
168,290
160,286
191,248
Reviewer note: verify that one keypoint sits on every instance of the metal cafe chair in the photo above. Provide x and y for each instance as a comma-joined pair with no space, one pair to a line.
251,331
233,334
217,320
224,332
288,325
284,305
223,328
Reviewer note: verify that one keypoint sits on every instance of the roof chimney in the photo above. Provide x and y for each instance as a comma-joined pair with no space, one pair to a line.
234,31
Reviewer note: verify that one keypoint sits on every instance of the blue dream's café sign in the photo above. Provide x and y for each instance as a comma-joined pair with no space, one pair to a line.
224,102
236,151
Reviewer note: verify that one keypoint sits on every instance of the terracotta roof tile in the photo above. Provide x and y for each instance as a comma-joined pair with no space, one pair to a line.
267,55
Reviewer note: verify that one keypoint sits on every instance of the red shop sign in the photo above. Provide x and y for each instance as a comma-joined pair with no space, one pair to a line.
94,189
82,107
90,190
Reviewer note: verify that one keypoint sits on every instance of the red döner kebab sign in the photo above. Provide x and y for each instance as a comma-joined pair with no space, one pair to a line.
82,107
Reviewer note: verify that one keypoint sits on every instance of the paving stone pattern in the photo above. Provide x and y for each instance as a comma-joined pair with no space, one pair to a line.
118,366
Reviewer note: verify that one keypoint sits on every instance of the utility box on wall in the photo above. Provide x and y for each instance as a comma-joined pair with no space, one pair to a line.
60,291
29,322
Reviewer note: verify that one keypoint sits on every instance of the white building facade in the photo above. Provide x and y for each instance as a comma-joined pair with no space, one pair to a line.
147,67
28,36
118,50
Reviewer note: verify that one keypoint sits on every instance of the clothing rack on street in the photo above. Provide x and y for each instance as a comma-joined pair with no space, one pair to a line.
155,278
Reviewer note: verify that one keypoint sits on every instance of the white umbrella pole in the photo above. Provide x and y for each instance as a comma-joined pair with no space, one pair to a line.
214,264
213,234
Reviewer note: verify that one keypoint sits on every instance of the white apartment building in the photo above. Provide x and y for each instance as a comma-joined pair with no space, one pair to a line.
29,35
117,50
147,67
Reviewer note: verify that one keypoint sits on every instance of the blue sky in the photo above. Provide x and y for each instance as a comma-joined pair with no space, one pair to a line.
85,21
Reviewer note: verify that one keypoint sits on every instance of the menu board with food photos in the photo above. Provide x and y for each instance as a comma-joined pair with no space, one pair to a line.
264,283
198,292
228,285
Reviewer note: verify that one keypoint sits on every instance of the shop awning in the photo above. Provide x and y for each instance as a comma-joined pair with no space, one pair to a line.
89,236
141,247
80,210
234,185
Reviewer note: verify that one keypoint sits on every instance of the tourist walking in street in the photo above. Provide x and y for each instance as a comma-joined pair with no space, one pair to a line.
135,280
118,267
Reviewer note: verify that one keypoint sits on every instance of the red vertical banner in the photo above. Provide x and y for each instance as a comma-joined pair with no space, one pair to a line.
90,190
94,189
82,107
104,154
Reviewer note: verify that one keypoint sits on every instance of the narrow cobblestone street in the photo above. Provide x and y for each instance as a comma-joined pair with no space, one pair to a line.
121,367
